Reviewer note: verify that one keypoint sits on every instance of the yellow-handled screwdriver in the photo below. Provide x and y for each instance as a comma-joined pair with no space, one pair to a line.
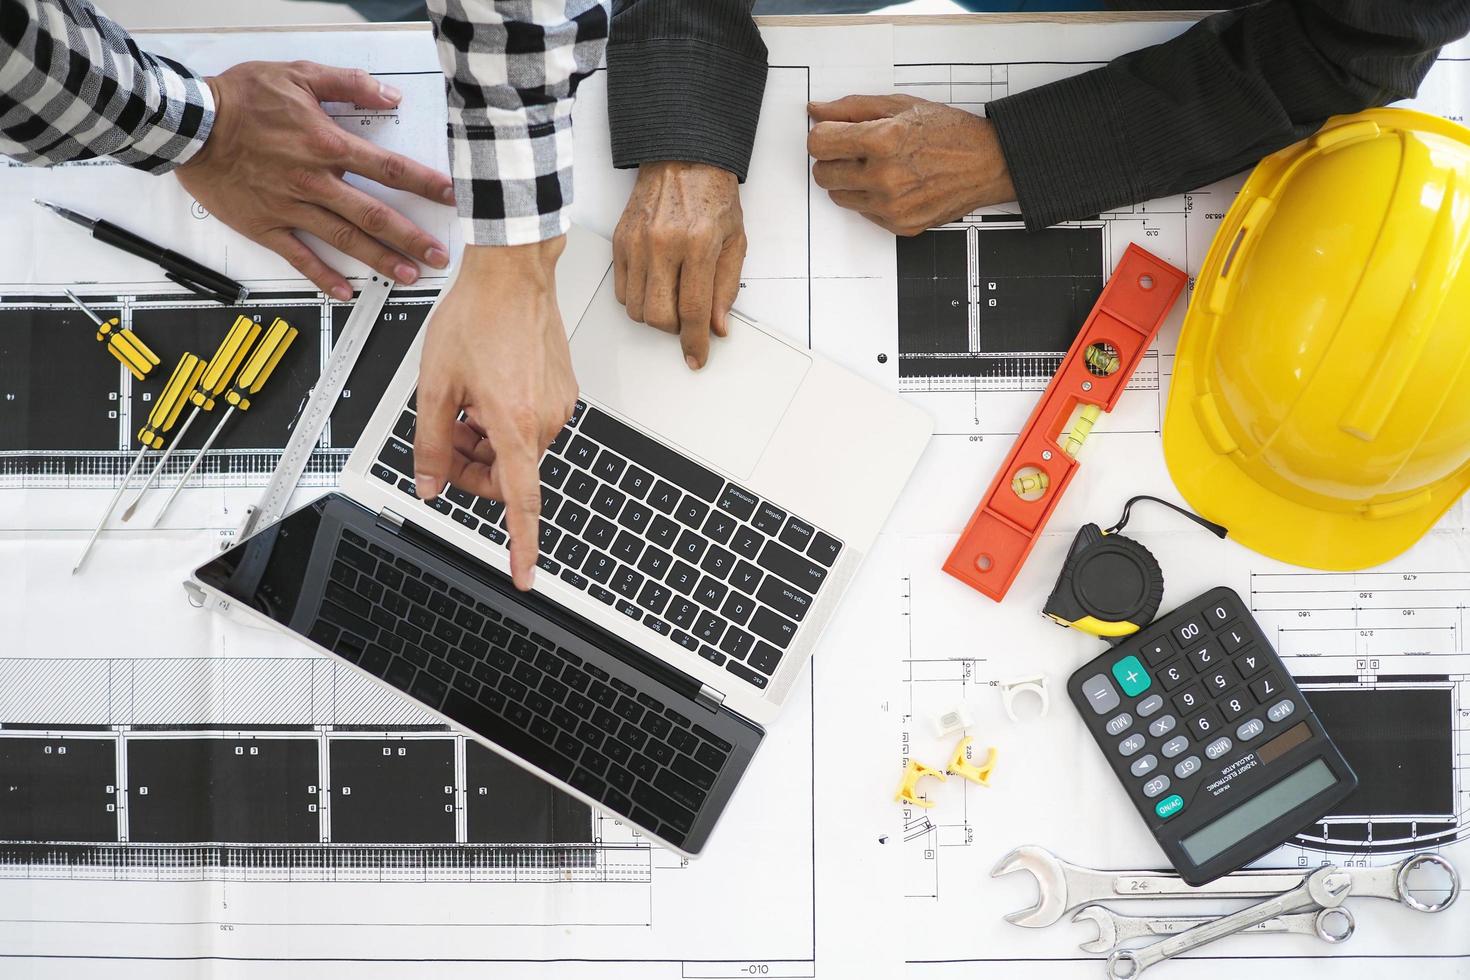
252,378
217,376
161,419
124,345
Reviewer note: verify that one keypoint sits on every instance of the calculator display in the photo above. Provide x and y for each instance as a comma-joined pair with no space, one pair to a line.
1259,811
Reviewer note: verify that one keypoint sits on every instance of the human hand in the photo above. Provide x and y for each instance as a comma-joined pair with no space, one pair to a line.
274,161
906,163
496,348
677,252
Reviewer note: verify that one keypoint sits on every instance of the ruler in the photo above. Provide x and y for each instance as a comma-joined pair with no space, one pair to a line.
319,407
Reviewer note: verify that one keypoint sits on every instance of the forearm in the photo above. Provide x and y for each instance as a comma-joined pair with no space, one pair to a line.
56,56
512,68
685,82
1213,101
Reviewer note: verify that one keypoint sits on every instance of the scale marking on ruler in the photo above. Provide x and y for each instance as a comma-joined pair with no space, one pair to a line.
319,407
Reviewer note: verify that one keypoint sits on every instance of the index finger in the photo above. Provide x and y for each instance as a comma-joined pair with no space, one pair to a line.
844,141
520,484
696,305
396,170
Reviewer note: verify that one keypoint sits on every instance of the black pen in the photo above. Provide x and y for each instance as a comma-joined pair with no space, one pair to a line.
196,278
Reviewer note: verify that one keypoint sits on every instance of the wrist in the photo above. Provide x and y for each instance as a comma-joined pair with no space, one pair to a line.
660,169
995,187
533,264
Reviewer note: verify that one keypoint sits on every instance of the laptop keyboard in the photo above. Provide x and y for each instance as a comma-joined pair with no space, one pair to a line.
664,540
493,674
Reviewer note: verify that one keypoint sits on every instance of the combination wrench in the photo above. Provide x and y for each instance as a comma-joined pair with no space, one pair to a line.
1113,929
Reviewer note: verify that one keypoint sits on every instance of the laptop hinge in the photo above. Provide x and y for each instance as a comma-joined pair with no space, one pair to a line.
390,520
709,698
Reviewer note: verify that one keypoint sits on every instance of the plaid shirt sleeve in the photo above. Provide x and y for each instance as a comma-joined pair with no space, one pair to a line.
511,73
74,85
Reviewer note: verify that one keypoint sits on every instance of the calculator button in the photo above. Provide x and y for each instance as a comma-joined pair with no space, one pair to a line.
1236,705
1118,724
1280,710
1219,682
1189,700
1174,746
1187,767
1130,745
1250,663
1161,726
1168,806
1204,657
1206,723
1156,651
1234,638
1217,614
1217,748
1187,634
1100,694
1150,705
1131,676
1144,764
1174,675
1266,687
1250,730
1155,786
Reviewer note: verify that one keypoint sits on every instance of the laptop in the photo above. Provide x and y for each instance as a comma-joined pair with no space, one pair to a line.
697,533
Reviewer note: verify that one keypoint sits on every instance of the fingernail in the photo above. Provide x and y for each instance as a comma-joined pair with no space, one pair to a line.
405,274
437,257
389,92
426,487
447,194
693,364
343,293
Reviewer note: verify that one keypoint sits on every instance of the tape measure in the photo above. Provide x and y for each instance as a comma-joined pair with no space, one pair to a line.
313,420
1110,585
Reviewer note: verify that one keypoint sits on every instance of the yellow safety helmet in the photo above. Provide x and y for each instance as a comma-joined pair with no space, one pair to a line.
1321,395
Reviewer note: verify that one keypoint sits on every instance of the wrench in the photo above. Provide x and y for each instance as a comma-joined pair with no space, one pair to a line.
1061,887
1329,925
1325,888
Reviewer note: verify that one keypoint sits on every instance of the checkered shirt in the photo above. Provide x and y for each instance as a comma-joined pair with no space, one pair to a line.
74,86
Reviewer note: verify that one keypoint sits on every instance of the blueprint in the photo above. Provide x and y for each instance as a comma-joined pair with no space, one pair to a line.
184,796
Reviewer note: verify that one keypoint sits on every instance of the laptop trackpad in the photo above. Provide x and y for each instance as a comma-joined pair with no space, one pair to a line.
725,413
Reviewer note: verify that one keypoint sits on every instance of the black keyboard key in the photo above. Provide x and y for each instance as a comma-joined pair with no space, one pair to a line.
736,642
682,577
628,709
1204,657
1234,637
383,473
397,456
746,542
659,727
618,751
708,627
663,532
710,592
601,694
467,519
572,517
635,517
575,678
585,781
554,471
347,599
1266,687
693,771
595,761
713,752
680,790
600,533
746,674
467,684
770,626
572,578
357,558
494,533
469,619
641,764
568,745
563,436
609,466
459,495
336,615
787,600
577,411
682,613
765,658
1189,700
442,505
580,486
712,655
599,567
448,632
792,567
746,577
572,552
719,526
797,534
373,658
343,574
607,501
737,608
717,561
490,510
550,501
626,582
824,549
655,562
1206,725
666,808
429,689
627,547
690,546
323,634
582,451
628,609
691,512
654,597
1250,663
738,501
660,753
651,455
636,482
654,623
664,497
621,685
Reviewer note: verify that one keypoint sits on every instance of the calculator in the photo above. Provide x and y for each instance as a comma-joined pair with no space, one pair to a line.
1210,736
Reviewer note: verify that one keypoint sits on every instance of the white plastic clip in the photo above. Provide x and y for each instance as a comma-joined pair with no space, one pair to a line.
1033,683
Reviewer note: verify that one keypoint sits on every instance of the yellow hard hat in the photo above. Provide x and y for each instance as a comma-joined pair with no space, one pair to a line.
1321,394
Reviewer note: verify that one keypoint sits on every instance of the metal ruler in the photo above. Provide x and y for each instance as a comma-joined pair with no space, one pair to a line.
319,407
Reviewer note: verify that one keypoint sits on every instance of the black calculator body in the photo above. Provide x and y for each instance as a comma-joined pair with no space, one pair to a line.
1210,736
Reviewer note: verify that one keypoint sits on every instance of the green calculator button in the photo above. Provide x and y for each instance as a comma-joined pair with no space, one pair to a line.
1168,806
1132,678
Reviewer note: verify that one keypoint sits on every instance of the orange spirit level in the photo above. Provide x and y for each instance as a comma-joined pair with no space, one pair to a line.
1092,377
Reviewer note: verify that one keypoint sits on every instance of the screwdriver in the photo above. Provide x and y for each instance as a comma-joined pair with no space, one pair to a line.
252,378
216,378
161,419
124,345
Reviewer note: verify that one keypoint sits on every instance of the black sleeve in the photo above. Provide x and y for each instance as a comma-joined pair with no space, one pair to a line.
1213,101
685,82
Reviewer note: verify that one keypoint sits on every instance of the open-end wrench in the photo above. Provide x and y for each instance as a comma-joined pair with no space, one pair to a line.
1061,887
1329,925
1325,888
